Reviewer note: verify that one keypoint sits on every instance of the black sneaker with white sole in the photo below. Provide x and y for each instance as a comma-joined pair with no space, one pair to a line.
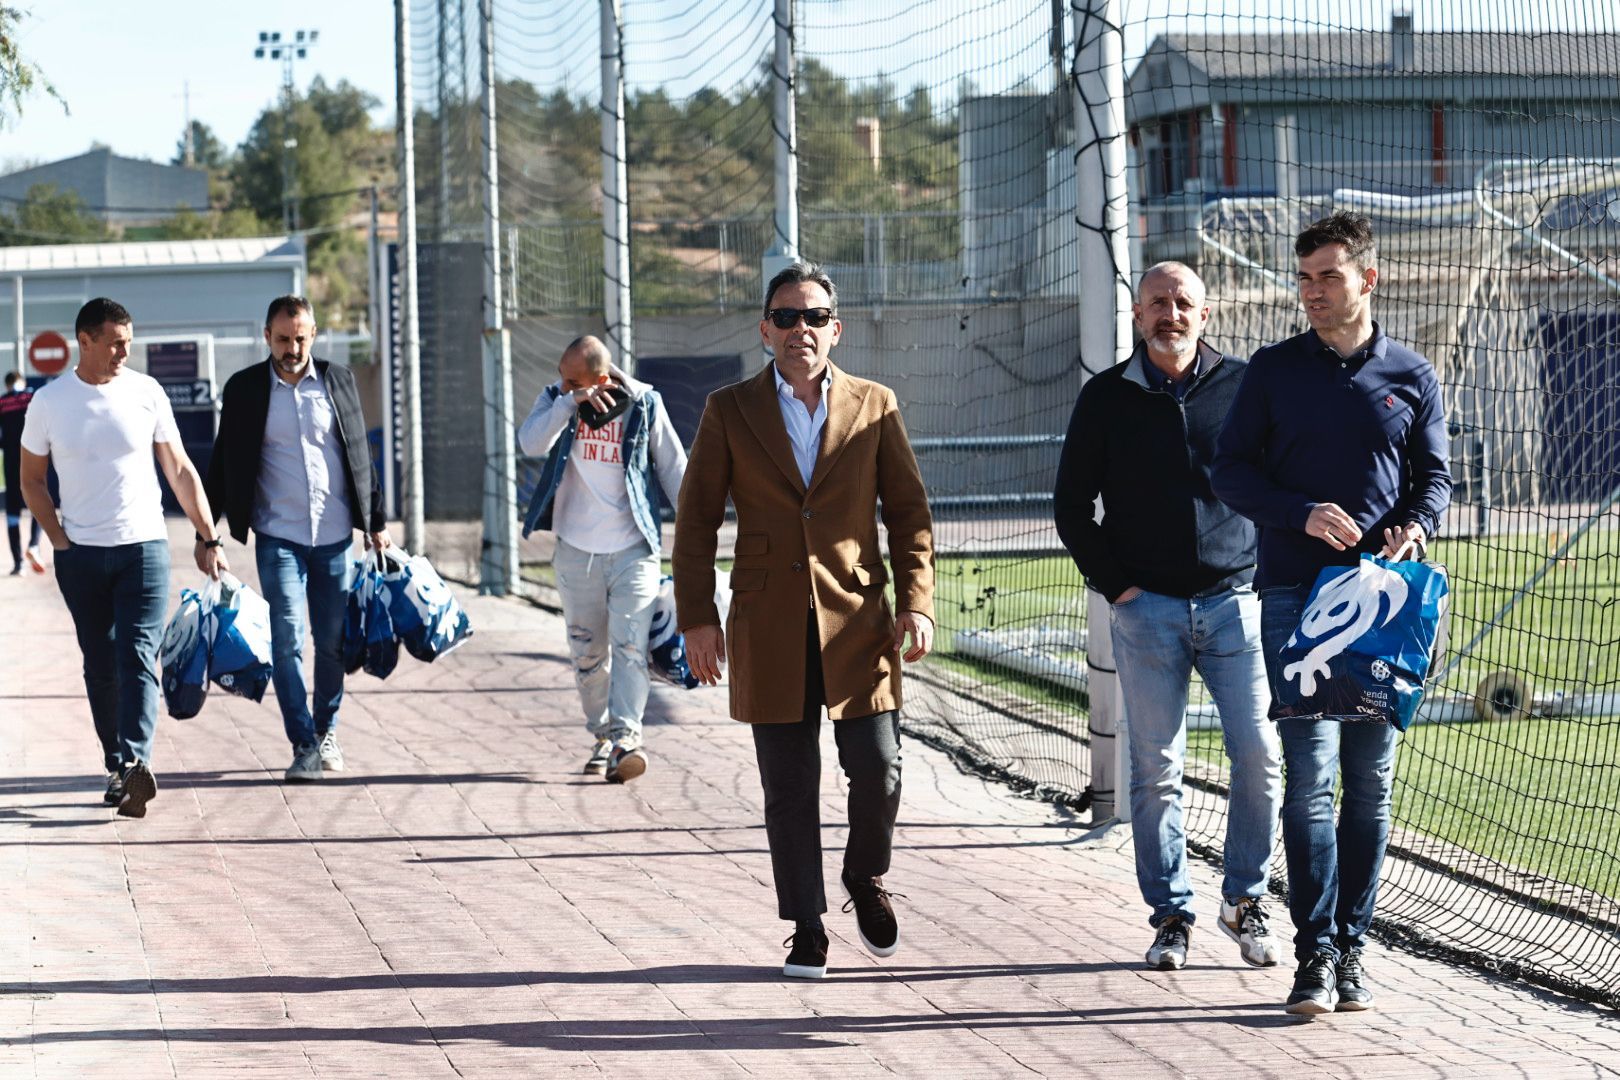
874,913
1314,992
807,953
1353,993
140,788
115,789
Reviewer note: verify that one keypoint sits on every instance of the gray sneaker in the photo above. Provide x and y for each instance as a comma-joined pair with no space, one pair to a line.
331,752
306,765
596,764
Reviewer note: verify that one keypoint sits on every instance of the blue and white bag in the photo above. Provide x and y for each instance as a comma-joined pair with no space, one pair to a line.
1365,642
239,660
354,619
185,650
666,646
382,643
426,615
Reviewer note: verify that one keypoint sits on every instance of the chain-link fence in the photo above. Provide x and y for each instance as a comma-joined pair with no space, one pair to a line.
936,150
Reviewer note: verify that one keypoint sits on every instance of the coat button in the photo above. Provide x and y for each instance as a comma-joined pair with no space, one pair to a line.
808,514
798,566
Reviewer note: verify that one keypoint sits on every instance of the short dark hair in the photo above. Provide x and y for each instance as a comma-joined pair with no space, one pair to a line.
1353,231
98,313
13,378
288,305
797,274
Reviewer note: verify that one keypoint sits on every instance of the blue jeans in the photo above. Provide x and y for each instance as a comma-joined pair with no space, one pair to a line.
1332,870
291,574
1158,641
608,605
117,597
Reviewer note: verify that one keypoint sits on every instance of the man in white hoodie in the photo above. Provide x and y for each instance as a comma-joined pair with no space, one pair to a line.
610,448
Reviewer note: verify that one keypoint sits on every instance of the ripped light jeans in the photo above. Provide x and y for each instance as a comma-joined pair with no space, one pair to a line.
608,605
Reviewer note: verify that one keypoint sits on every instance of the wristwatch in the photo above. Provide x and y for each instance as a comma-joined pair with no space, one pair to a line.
215,542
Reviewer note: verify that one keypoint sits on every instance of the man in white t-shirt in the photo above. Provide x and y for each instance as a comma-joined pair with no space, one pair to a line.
610,448
101,426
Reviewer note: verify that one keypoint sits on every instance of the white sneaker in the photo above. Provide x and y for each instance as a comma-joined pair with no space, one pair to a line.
306,765
597,763
35,563
331,752
1243,919
1169,949
626,761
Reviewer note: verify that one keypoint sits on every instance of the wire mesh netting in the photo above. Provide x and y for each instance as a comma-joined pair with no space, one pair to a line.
937,182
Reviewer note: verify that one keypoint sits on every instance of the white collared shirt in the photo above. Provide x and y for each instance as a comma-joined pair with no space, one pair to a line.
302,495
803,426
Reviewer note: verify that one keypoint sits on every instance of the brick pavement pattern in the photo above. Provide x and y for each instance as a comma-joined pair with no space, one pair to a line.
462,902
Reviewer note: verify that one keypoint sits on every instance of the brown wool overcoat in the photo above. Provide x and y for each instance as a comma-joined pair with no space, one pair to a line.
798,545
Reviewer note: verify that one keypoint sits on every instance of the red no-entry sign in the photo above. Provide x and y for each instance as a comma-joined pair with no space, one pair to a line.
48,353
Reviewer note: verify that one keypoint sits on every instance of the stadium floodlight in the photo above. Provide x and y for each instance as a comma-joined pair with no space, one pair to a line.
296,47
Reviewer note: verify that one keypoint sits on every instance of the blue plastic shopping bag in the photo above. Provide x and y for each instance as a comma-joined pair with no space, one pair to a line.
354,620
239,661
1364,643
185,650
426,615
382,644
666,646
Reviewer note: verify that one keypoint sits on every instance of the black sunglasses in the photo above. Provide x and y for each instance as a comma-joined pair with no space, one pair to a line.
786,318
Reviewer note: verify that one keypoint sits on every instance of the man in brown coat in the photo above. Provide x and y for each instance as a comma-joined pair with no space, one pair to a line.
806,452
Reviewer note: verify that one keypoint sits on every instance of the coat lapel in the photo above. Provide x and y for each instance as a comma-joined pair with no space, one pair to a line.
764,417
843,409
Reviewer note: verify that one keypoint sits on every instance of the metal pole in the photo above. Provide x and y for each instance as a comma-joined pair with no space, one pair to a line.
381,331
442,201
1104,258
410,360
498,568
20,358
784,248
615,193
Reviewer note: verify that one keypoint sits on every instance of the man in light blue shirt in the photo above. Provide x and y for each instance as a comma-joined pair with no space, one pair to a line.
292,462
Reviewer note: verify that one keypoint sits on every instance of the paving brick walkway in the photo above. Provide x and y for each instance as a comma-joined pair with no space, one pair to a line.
462,903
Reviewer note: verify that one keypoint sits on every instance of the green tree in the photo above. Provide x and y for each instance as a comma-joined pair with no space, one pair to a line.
50,215
206,149
19,77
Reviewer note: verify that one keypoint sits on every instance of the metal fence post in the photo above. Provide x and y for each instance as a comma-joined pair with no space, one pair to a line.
498,568
409,341
784,248
615,193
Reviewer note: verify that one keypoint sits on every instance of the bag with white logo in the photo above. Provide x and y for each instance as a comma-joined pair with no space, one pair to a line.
426,615
239,661
1365,642
185,649
666,646
382,642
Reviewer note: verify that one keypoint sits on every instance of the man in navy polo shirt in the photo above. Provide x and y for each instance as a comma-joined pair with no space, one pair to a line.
1336,445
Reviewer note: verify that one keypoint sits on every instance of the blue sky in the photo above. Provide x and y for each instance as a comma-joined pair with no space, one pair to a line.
123,76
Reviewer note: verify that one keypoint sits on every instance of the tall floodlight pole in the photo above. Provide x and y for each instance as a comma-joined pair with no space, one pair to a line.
498,568
295,47
1104,327
615,193
784,247
410,351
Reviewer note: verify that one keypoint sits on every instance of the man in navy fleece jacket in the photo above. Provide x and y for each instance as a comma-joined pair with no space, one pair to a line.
1335,445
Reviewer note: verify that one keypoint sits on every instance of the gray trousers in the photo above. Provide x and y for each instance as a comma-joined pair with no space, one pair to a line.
789,758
